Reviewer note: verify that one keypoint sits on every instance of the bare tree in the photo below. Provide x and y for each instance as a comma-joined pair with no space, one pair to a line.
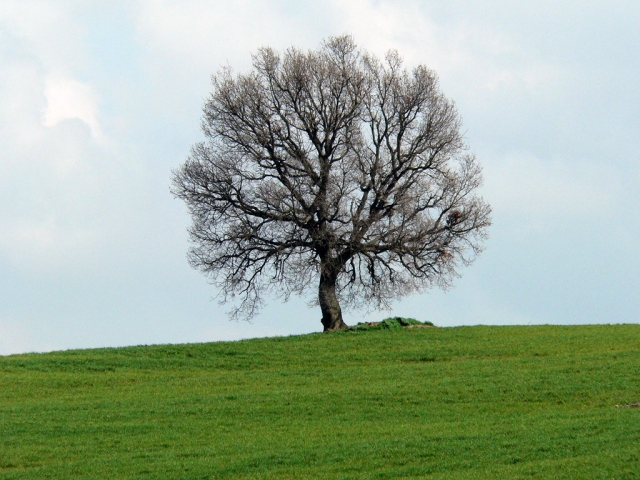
331,168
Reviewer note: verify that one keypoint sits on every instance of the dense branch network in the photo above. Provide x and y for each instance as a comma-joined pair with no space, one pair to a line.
331,166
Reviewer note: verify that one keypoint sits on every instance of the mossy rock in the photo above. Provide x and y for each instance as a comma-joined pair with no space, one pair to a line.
391,323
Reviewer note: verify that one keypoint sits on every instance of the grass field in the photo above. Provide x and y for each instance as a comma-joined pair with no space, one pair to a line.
468,402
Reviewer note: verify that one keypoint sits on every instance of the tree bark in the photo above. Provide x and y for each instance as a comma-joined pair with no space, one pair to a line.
331,311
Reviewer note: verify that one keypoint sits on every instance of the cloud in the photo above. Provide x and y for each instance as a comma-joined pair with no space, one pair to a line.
454,45
16,337
519,184
201,35
68,98
13,339
46,246
55,168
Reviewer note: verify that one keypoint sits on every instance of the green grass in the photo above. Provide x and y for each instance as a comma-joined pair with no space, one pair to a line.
469,402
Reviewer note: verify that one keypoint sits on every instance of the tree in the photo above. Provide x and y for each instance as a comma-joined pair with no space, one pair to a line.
334,167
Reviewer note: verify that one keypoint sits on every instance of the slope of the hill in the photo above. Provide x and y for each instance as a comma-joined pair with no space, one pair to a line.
469,402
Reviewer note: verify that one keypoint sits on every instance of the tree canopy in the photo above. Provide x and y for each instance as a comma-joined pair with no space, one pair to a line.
330,169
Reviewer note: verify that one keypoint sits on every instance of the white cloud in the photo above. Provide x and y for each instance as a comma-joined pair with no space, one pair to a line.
53,175
380,26
522,185
459,48
201,35
47,30
46,247
18,335
13,339
68,98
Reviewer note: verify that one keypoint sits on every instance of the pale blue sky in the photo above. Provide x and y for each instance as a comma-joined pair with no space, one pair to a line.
99,100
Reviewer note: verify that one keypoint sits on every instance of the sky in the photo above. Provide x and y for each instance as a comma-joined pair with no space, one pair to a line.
99,101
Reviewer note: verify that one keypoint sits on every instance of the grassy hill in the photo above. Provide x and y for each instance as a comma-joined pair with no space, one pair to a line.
469,402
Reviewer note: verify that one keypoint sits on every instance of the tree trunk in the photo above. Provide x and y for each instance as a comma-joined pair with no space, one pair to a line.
331,312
